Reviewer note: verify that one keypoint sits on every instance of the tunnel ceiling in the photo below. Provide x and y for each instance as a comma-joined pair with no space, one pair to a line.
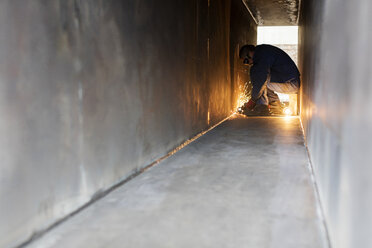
273,12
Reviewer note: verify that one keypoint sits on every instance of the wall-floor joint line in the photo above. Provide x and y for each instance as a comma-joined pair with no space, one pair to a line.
320,209
99,195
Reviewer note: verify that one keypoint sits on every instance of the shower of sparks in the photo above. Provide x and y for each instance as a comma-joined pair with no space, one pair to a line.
243,95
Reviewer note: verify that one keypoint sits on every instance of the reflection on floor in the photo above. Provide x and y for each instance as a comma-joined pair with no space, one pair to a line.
246,183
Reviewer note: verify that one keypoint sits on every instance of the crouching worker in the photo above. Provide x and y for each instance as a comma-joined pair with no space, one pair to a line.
272,70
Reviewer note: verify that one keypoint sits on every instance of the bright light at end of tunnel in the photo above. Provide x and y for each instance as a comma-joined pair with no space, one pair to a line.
287,35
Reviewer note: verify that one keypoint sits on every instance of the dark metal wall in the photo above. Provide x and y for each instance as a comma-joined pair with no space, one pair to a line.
91,91
243,30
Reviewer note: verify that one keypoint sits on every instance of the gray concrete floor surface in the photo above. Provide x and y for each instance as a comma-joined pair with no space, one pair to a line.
245,183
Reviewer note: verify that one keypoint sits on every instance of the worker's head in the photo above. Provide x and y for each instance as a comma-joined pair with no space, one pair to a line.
246,54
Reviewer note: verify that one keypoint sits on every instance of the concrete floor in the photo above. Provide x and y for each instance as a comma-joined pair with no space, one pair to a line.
246,183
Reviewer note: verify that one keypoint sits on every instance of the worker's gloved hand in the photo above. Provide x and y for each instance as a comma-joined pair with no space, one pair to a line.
249,105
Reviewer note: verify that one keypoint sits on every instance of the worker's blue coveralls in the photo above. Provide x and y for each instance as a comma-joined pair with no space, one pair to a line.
272,70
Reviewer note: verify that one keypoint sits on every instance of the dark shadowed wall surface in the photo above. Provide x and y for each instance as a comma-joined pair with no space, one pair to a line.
243,31
92,91
335,60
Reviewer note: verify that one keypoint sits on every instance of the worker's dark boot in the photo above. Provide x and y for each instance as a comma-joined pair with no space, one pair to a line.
258,110
276,107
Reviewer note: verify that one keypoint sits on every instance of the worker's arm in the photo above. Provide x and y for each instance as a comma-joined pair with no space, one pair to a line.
259,73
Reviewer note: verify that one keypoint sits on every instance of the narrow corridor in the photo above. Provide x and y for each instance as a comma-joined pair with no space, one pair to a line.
245,183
